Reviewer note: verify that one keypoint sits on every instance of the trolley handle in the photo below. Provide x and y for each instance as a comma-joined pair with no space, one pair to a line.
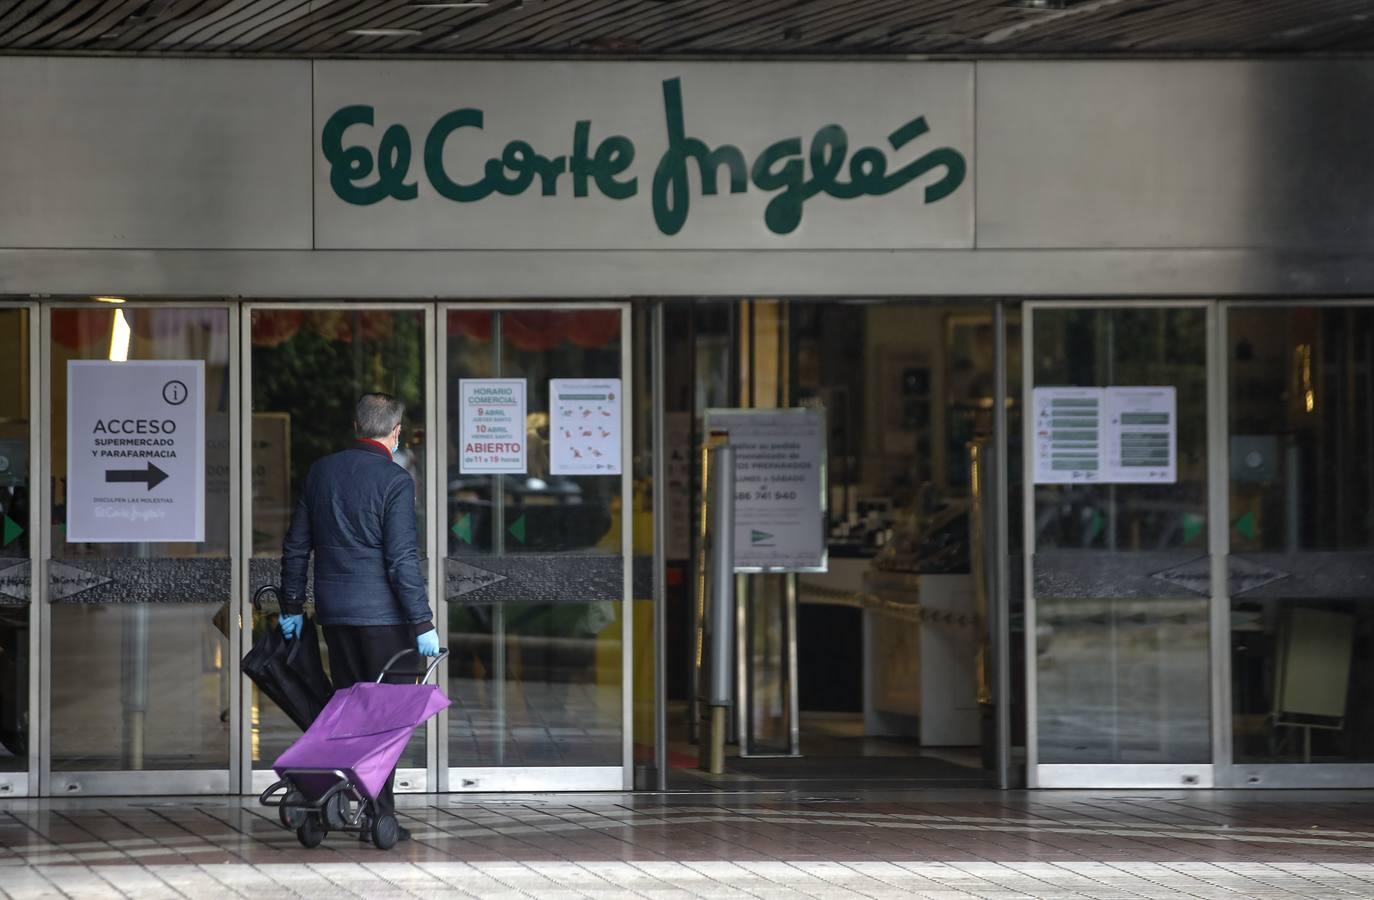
262,592
386,669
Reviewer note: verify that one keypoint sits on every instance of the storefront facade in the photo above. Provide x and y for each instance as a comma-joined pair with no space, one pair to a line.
1195,226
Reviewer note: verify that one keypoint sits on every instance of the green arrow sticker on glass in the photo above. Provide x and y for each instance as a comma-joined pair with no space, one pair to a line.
462,529
1192,526
518,529
12,531
1096,525
1246,526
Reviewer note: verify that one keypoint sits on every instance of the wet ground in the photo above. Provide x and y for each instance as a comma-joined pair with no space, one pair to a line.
927,843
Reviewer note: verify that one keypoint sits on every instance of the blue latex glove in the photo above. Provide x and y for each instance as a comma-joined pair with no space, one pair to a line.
291,626
428,643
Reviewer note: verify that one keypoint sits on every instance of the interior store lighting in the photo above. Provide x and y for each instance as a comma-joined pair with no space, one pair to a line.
119,338
109,299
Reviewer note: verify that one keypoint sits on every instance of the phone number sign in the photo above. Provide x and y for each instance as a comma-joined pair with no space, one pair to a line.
779,487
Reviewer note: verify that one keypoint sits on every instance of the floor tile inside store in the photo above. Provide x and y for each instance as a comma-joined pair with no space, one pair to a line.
929,843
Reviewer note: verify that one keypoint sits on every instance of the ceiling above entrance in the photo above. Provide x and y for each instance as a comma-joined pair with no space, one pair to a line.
686,27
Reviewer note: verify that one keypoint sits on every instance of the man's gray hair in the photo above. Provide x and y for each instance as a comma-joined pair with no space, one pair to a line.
377,415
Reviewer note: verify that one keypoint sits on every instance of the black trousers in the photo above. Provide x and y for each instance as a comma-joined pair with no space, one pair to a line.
358,653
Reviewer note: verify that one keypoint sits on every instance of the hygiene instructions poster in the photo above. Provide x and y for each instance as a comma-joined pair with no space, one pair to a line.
1142,429
780,518
135,451
584,426
492,413
1118,435
1068,435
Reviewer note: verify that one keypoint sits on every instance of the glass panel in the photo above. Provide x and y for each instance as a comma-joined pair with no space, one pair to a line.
15,487
140,676
534,569
1301,490
1121,570
309,369
642,368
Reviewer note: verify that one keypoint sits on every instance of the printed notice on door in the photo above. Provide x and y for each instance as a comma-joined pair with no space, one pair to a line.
1142,435
779,487
1119,435
584,426
135,451
492,415
1068,435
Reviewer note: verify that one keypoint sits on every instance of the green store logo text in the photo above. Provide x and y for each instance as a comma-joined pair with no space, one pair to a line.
360,178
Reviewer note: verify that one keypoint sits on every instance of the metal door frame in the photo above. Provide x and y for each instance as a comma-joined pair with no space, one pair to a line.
410,780
24,784
128,782
1132,775
552,778
1230,774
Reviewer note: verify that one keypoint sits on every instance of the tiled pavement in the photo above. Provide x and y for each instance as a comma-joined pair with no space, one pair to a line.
933,844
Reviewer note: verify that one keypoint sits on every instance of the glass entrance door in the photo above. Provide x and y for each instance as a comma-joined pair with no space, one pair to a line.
1300,476
139,580
537,495
306,367
18,625
1121,559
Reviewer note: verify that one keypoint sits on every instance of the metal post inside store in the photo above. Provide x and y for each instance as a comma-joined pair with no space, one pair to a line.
720,601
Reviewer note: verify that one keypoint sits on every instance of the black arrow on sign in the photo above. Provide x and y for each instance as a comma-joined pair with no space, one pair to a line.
153,476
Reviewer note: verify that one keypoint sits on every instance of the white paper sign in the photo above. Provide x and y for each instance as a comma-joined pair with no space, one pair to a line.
1068,435
1119,435
135,451
1142,435
492,429
779,487
584,426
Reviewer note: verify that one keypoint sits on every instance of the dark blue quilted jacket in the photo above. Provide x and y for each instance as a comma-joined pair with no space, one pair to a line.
356,512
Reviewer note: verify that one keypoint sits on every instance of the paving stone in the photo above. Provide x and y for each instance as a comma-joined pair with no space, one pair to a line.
935,844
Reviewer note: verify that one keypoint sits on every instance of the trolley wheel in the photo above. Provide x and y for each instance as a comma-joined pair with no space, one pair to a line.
385,832
335,813
290,812
311,832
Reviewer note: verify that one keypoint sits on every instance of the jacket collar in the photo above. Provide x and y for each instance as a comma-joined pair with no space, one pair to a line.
372,446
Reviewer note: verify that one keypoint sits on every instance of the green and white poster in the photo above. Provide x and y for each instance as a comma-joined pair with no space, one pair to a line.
584,426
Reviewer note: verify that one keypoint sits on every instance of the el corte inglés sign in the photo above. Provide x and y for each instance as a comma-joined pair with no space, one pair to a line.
734,156
787,170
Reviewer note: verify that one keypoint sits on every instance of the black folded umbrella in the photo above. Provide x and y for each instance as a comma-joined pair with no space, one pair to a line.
290,673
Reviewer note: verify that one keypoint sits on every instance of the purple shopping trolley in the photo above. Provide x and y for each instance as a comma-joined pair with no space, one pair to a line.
332,775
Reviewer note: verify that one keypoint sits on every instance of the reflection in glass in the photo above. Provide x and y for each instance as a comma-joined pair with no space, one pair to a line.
1301,493
534,681
1122,619
143,685
309,369
15,488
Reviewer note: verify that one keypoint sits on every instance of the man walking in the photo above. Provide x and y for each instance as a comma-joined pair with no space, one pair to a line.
356,512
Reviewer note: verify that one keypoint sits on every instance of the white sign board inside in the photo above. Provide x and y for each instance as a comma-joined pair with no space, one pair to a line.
135,451
584,426
492,430
643,155
1119,435
779,487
